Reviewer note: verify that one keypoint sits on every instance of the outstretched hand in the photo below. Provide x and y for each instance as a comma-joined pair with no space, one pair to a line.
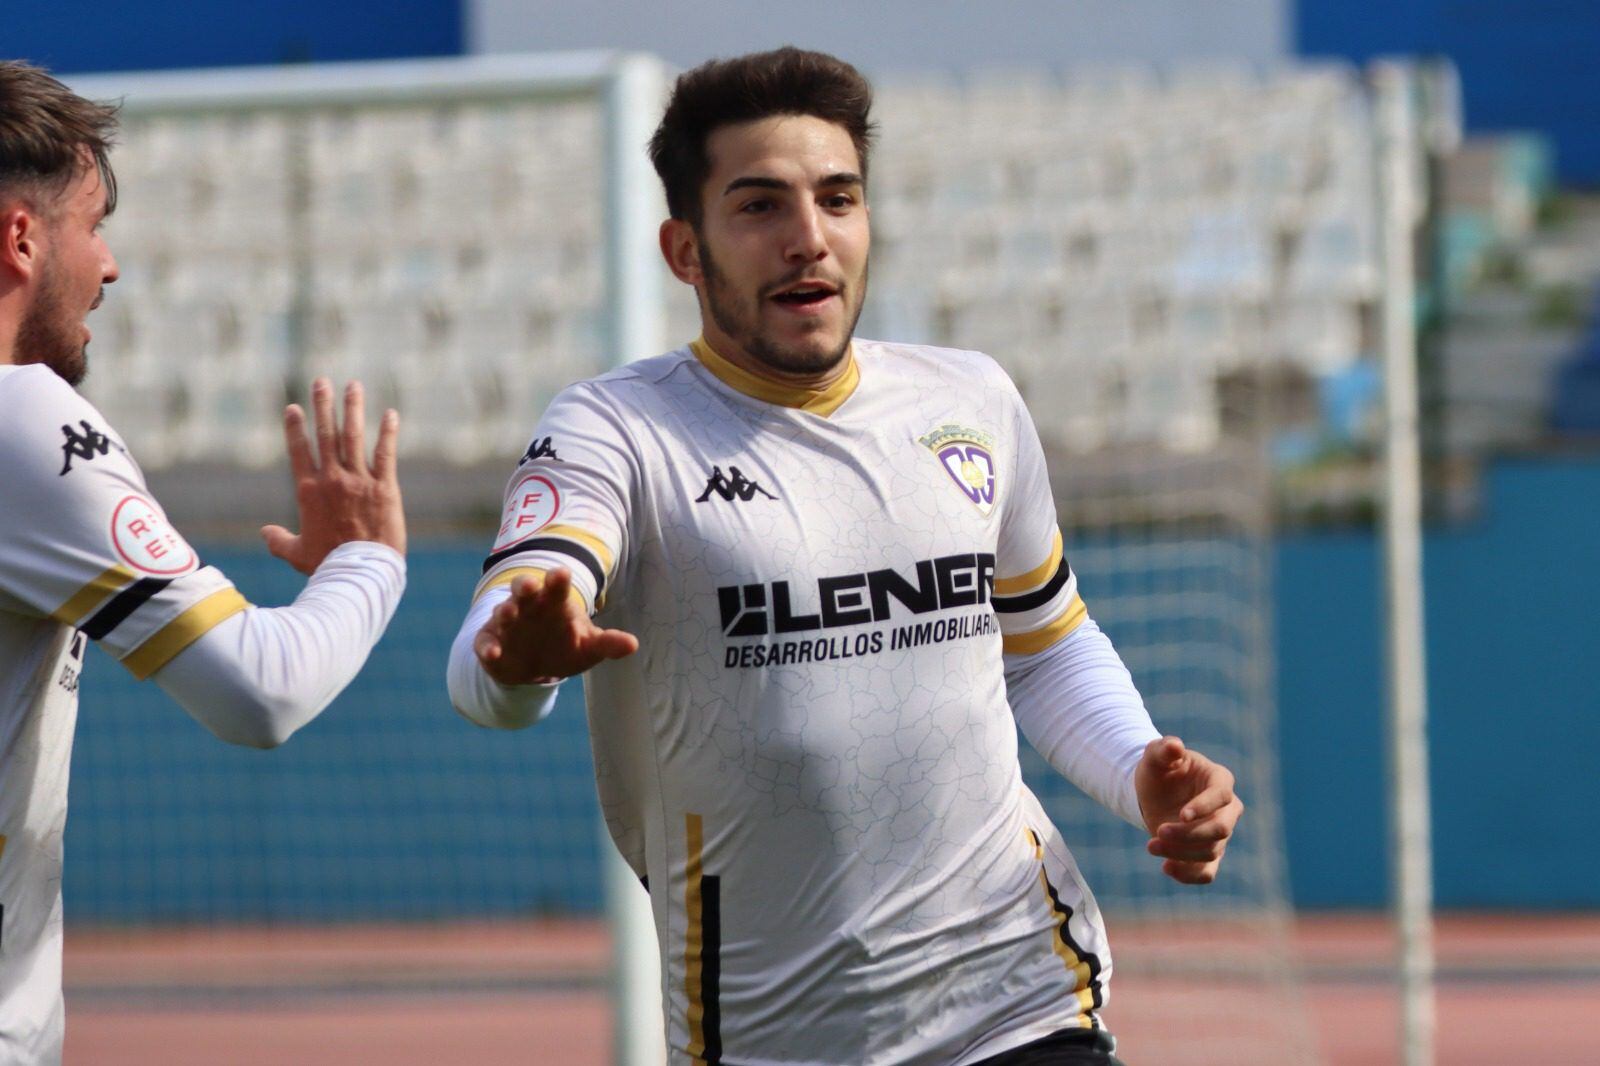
341,496
1189,807
542,633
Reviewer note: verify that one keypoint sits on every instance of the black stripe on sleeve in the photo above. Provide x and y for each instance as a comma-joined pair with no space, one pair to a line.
553,544
1029,601
711,965
122,605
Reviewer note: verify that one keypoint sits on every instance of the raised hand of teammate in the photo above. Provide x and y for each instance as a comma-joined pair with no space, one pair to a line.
342,496
543,633
1190,808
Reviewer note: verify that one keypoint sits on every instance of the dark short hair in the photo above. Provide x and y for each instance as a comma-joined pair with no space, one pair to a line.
45,129
723,92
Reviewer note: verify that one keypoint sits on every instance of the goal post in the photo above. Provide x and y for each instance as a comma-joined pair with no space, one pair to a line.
1410,834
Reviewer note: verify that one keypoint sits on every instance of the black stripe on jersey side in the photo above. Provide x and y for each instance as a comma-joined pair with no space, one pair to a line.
711,965
553,544
1040,596
122,605
1065,927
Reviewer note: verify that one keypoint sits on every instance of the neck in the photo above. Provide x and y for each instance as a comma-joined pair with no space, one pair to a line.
734,353
10,320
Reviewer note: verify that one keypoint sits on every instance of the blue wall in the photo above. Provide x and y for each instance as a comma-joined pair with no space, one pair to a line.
1514,692
1526,66
389,806
70,37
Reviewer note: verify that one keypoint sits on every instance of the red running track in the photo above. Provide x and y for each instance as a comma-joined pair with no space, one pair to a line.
1513,989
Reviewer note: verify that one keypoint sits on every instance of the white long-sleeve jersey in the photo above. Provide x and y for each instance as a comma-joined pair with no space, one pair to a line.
87,554
811,761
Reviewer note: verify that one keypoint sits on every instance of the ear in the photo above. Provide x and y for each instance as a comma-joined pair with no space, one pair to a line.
19,241
680,246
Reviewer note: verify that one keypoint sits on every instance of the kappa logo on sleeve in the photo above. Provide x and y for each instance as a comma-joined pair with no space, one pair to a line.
541,448
532,505
146,541
86,445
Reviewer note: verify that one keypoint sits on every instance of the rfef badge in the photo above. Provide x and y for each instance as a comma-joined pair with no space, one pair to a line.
967,455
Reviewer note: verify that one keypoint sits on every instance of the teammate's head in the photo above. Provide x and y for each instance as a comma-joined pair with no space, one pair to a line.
56,185
764,162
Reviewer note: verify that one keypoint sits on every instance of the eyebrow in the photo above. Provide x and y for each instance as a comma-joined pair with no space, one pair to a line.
842,178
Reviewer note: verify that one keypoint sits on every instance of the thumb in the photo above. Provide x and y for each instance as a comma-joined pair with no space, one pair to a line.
280,542
616,643
486,645
1165,754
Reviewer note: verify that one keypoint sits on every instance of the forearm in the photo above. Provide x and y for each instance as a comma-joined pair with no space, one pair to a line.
1077,705
257,677
479,697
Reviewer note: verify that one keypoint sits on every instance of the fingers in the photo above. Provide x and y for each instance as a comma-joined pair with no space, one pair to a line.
353,445
1209,802
1190,873
326,426
301,462
1203,843
383,456
557,585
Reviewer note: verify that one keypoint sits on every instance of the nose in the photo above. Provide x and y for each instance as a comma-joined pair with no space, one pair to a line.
109,271
808,237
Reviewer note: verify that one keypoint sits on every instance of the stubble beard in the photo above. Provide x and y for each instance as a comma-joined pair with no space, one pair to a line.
49,335
746,330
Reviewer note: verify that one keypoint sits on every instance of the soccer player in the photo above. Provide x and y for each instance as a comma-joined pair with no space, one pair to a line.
817,583
86,553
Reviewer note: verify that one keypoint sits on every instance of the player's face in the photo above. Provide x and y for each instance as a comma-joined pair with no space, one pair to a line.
74,266
782,245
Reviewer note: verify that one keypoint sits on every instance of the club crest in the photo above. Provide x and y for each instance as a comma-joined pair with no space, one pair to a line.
967,455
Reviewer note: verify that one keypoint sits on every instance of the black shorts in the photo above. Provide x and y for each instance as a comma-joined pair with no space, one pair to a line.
1067,1047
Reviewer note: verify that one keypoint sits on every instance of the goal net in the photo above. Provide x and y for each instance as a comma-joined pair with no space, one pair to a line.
1167,265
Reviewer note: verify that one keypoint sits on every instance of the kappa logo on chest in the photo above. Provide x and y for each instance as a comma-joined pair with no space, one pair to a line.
731,486
967,456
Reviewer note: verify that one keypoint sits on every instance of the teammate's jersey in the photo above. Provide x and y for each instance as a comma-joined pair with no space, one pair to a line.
85,553
811,761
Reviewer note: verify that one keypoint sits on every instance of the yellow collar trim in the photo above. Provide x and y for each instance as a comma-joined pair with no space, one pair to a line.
818,401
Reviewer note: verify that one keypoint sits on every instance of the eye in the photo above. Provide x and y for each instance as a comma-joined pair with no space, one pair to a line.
756,207
840,201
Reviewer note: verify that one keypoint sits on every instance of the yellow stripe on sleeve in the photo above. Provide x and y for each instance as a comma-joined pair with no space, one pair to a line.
1040,639
506,577
1011,586
588,540
183,631
86,599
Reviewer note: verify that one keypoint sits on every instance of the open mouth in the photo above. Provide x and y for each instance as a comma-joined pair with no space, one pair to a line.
805,294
